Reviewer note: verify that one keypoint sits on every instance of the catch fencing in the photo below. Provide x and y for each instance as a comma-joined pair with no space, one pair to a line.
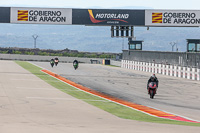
165,69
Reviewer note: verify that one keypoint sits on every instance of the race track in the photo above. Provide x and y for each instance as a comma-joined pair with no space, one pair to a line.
175,95
29,104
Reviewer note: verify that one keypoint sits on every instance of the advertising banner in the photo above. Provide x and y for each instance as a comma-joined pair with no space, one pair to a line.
4,14
107,17
172,18
41,15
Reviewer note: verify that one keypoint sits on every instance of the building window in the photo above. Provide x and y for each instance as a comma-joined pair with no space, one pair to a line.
198,47
132,46
191,47
138,46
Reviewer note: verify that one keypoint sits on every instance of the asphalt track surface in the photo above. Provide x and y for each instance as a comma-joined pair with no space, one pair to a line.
175,95
28,104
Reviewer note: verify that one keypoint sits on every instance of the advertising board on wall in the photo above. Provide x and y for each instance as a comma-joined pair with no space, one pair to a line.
107,17
41,15
172,18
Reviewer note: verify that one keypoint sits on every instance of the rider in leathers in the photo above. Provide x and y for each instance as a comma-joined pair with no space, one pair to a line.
153,78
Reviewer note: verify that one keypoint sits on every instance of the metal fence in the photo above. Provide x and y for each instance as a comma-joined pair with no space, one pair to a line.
170,70
187,59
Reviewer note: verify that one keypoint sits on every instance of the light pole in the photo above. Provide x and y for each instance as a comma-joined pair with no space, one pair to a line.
172,44
35,38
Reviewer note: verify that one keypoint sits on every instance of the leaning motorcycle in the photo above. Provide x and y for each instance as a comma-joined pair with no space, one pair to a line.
152,88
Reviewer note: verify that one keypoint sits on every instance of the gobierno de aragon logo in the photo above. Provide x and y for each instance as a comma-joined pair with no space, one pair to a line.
22,15
40,16
175,17
109,17
157,17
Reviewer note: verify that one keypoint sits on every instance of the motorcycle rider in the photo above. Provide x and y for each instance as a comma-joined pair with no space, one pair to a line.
56,61
153,78
52,62
75,64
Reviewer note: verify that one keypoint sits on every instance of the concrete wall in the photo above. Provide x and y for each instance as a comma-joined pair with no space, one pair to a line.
115,63
46,58
173,58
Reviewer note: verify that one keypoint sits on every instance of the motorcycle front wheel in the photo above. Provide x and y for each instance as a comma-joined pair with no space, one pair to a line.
151,94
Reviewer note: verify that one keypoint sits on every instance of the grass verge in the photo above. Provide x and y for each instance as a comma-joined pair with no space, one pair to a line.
111,107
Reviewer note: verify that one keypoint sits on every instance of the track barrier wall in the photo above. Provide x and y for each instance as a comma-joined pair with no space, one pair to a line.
164,69
46,58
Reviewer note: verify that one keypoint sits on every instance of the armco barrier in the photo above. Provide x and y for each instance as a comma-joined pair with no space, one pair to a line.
170,70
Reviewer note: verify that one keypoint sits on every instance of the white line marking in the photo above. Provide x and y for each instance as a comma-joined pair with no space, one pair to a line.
27,79
28,88
68,99
51,89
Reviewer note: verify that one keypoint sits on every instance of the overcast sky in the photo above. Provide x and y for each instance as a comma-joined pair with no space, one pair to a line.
142,4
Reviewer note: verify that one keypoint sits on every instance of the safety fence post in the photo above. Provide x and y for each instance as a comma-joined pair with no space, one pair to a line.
179,71
167,70
133,65
171,70
153,68
175,71
194,73
163,69
147,67
143,66
156,68
138,66
188,73
159,68
184,72
150,67
198,74
122,63
126,64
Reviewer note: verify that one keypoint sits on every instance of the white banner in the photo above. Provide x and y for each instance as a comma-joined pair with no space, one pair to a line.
174,18
41,16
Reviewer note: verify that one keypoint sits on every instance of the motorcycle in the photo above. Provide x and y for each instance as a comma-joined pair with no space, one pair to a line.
56,61
152,88
52,62
75,65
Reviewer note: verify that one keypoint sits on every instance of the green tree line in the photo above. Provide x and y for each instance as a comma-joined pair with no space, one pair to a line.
67,54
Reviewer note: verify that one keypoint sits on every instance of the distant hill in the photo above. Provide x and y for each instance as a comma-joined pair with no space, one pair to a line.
91,38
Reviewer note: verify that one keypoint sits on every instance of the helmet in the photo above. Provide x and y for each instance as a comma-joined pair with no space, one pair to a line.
153,77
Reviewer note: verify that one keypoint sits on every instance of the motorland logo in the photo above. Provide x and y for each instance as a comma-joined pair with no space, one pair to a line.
40,16
108,17
175,18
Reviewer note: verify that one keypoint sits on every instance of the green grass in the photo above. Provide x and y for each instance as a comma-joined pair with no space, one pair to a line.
111,107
